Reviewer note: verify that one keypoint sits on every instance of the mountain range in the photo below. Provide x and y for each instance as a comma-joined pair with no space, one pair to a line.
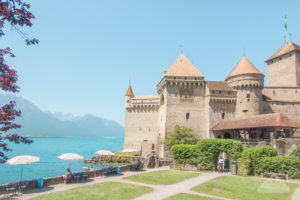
38,123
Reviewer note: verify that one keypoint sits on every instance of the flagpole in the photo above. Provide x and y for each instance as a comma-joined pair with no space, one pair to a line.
285,26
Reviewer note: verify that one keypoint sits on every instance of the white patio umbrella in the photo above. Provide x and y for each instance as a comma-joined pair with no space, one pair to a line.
104,152
129,150
22,160
70,156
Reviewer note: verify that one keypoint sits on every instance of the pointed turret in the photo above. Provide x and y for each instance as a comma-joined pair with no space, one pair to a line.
129,94
248,82
183,67
129,91
243,67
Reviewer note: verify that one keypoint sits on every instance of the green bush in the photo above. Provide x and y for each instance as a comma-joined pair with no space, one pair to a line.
185,153
250,158
296,152
180,135
289,165
126,153
209,150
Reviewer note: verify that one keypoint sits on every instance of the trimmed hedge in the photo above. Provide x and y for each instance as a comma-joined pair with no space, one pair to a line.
185,153
206,152
250,158
296,152
209,150
289,165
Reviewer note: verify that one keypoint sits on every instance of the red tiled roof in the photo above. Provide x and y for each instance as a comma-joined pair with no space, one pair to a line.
286,48
183,67
244,67
259,121
218,86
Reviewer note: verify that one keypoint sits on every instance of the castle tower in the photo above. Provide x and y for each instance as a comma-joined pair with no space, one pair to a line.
128,95
284,66
248,81
182,93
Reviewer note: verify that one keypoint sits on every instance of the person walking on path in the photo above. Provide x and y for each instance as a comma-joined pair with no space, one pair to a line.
220,164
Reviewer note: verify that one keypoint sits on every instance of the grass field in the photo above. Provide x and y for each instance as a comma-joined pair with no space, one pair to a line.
184,196
100,191
163,177
246,188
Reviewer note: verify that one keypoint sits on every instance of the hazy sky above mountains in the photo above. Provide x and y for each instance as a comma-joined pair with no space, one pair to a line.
89,49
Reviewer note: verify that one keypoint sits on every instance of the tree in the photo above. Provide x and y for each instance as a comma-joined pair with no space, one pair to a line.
16,14
180,135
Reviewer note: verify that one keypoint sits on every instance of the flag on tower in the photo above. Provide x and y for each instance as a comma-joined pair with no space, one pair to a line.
285,24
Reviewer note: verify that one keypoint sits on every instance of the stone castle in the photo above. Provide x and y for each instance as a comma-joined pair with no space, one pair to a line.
240,107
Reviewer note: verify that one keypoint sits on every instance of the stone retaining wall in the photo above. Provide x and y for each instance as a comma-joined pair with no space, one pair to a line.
57,180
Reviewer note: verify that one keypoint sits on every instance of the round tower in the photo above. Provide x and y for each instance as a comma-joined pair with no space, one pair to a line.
129,94
248,81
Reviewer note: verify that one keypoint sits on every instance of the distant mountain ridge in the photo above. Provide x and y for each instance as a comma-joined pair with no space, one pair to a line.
38,123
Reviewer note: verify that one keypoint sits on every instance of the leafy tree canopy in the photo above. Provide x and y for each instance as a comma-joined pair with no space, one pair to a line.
180,135
16,14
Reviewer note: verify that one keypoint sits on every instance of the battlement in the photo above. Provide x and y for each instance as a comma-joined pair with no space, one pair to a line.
145,103
180,81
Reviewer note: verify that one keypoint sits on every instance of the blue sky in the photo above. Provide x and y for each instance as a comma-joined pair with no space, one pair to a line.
89,49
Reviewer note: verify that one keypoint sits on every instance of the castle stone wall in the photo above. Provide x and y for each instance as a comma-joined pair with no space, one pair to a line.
282,70
178,107
282,93
216,110
141,125
298,67
249,94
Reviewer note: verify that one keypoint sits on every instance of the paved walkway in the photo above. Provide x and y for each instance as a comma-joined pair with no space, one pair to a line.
160,191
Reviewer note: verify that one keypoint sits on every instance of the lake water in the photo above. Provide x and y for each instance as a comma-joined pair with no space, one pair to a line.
48,149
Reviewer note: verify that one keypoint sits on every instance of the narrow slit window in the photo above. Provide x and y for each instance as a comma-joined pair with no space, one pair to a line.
223,115
187,116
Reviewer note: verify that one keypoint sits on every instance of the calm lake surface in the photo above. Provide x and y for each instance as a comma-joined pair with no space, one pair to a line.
48,149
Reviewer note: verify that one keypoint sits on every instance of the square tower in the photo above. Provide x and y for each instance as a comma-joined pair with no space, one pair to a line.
284,66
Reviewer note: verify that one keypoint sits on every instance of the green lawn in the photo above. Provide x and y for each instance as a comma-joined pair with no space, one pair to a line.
163,177
100,191
184,196
246,188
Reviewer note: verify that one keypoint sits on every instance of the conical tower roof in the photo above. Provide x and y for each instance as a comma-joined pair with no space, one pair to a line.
244,67
183,67
287,48
129,91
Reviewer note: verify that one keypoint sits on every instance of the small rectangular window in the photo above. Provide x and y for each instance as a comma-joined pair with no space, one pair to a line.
223,115
248,95
187,116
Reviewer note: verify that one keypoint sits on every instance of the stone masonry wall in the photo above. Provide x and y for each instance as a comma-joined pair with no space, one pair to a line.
177,110
216,109
285,100
298,67
282,71
141,125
